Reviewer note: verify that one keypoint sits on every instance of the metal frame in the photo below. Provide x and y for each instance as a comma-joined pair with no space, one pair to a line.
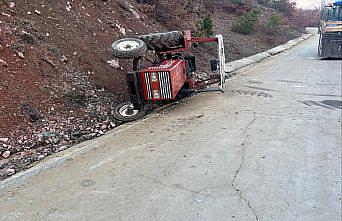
142,95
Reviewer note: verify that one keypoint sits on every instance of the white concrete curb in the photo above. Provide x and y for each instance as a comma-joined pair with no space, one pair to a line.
236,65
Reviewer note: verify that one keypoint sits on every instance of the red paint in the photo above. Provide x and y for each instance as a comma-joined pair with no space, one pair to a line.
176,68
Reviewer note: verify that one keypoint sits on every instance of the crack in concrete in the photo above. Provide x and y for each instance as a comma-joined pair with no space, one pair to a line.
261,88
243,157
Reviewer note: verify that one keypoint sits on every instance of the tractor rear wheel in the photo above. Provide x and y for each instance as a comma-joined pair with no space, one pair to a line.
128,48
163,41
125,112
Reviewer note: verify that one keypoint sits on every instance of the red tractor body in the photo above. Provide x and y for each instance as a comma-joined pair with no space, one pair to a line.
172,73
163,82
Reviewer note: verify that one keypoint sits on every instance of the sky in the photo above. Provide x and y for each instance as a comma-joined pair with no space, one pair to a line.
308,4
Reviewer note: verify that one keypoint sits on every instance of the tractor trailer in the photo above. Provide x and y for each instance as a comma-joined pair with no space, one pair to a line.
330,29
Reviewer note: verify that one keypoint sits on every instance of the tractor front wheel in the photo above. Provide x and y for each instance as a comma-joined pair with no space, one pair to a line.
129,48
125,112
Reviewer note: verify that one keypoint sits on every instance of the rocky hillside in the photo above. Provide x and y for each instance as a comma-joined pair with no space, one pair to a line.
58,79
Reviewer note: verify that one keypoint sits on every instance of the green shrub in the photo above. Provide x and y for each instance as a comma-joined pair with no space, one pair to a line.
274,21
205,26
239,2
245,23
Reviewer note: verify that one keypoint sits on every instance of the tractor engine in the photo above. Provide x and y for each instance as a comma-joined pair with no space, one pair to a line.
163,82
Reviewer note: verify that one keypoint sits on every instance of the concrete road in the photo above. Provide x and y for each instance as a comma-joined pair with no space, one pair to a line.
269,149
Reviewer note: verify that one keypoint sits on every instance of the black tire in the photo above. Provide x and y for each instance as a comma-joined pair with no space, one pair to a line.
163,41
121,115
320,46
128,48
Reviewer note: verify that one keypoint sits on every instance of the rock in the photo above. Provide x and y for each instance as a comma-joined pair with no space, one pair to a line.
64,59
31,113
20,54
27,37
114,63
68,7
4,161
12,4
62,148
4,140
6,154
3,63
7,172
5,14
112,124
101,132
24,154
40,157
122,29
37,12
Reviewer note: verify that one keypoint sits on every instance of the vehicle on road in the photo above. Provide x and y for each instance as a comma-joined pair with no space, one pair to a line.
330,29
173,71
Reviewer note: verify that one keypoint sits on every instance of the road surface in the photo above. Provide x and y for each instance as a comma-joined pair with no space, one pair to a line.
269,149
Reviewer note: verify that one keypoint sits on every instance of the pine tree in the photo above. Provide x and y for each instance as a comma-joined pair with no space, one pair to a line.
205,27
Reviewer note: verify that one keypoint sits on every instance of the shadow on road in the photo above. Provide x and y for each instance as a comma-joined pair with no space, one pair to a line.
329,59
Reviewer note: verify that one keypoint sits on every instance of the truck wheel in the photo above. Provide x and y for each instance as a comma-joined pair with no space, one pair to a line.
320,46
163,41
124,112
128,48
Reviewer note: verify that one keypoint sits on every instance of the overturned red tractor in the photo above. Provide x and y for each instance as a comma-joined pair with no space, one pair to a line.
172,72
